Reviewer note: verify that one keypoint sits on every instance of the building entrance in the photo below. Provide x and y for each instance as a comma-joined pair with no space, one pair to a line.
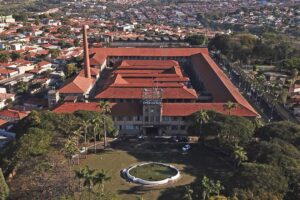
152,131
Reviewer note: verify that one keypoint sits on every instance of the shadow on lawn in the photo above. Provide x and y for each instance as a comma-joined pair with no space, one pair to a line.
198,162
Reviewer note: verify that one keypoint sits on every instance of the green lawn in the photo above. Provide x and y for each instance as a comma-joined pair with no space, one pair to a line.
153,172
192,166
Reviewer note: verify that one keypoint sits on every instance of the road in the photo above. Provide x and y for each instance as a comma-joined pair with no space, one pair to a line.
262,105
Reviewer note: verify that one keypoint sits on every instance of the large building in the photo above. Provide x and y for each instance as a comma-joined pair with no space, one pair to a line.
153,90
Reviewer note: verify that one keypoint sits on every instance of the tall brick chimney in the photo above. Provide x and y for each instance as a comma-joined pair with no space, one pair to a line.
87,67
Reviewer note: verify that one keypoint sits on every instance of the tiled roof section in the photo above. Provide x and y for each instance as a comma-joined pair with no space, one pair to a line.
5,96
117,109
136,93
187,109
94,71
15,114
6,71
129,82
100,54
127,109
217,82
70,107
79,84
43,63
168,109
148,63
3,122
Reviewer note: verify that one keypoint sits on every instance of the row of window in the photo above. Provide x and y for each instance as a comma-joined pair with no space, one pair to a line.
147,118
129,127
137,127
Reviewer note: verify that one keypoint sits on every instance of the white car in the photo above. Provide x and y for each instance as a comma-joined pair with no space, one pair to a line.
186,147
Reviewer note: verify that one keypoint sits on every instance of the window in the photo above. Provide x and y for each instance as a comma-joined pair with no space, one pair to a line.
182,127
152,118
174,128
166,119
146,118
157,118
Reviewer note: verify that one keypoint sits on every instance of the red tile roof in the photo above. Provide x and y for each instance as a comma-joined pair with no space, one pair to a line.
100,54
79,84
136,93
4,96
70,107
168,109
187,109
3,122
217,82
15,114
130,81
43,63
117,109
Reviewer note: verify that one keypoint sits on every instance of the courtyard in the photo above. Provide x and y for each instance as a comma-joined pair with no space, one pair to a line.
193,165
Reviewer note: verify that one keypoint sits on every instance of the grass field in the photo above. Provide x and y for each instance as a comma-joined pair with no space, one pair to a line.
153,172
192,166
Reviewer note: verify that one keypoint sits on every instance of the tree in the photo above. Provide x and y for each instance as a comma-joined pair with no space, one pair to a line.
100,178
260,178
76,42
228,130
196,39
4,190
88,179
54,53
188,193
9,103
80,175
21,17
239,155
201,118
65,30
70,149
4,57
285,130
105,109
15,56
229,106
70,69
209,187
85,125
96,124
92,177
294,74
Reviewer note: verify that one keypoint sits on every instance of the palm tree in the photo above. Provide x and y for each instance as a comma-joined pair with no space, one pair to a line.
209,187
96,127
229,106
4,189
80,175
70,149
240,155
201,118
100,178
88,179
188,193
92,177
85,125
105,109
